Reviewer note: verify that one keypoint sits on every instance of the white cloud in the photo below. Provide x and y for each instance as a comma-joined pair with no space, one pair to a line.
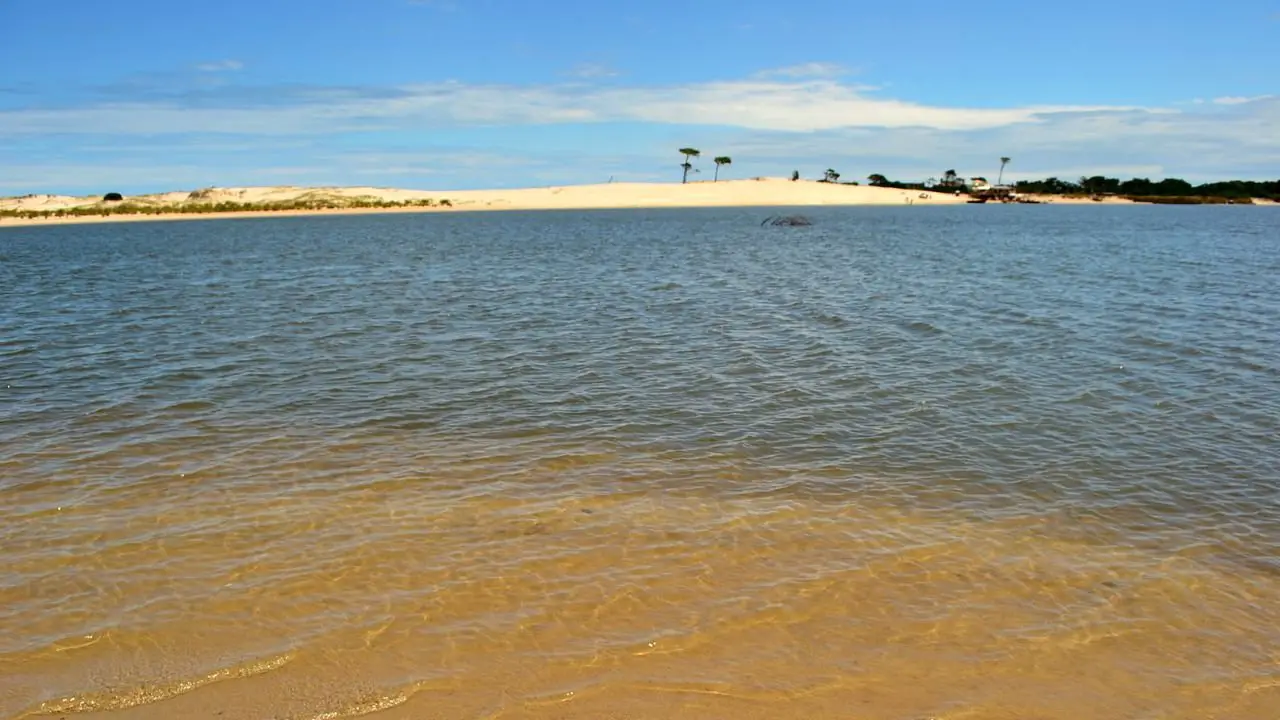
1200,144
443,168
794,106
1237,100
221,66
806,70
804,106
768,125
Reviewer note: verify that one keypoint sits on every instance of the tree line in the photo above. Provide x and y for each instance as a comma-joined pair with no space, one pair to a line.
1147,188
1140,189
1168,190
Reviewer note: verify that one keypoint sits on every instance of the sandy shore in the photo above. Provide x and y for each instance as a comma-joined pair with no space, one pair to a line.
171,216
758,192
765,192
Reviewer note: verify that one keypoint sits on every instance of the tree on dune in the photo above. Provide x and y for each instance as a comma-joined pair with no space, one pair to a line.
830,176
1003,161
722,160
878,179
688,153
950,179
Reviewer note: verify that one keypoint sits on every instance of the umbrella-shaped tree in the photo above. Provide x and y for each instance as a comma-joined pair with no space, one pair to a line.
722,160
688,153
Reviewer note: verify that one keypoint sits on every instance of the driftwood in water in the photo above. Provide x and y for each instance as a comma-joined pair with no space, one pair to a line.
786,221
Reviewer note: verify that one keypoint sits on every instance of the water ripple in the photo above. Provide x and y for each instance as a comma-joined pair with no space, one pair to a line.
612,457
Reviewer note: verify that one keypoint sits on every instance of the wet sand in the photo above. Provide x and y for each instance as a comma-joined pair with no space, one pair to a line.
423,599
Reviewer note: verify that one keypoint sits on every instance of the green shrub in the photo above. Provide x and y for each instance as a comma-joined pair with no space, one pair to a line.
1175,199
197,204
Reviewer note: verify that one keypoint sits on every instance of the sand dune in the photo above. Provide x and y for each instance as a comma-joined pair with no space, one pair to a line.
757,192
762,192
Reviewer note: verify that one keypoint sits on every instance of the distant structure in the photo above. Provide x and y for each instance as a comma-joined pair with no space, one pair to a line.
112,197
981,191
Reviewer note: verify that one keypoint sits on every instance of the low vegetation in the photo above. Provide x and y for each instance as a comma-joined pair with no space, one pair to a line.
199,203
1170,191
1189,200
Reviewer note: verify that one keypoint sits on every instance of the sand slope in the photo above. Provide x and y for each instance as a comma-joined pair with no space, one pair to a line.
757,192
763,191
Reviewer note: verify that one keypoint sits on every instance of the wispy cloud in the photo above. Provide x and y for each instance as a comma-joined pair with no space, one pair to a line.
179,93
794,106
804,118
221,66
1209,143
1238,100
443,168
806,70
592,71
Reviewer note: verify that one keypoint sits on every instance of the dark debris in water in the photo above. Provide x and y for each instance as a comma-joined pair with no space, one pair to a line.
786,221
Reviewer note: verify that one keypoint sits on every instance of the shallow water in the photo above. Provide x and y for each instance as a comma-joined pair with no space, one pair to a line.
1012,462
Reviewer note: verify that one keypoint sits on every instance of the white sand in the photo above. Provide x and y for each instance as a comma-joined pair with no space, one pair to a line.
762,192
758,192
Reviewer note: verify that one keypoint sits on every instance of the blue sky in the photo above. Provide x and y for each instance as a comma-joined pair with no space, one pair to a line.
442,94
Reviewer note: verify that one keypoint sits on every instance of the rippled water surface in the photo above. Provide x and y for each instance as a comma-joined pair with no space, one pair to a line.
1013,462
